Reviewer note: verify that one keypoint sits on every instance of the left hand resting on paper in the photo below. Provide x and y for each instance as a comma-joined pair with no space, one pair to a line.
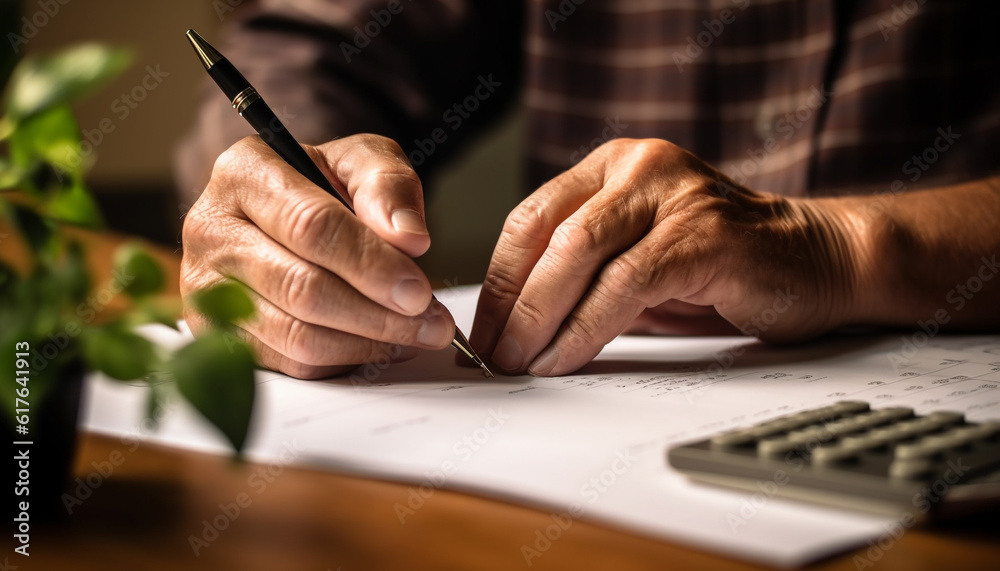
644,229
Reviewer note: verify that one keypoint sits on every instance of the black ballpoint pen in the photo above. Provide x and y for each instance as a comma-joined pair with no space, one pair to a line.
251,107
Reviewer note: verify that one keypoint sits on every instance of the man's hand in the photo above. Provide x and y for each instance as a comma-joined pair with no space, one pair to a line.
644,228
332,290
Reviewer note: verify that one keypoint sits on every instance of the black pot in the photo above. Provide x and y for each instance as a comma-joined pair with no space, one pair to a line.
47,452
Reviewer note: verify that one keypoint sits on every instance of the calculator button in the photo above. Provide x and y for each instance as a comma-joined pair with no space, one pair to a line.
827,455
850,407
910,469
733,438
945,418
914,428
891,414
775,447
948,440
915,450
847,426
774,427
987,430
866,441
811,434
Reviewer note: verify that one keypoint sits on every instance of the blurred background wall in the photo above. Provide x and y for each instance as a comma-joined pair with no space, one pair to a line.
132,172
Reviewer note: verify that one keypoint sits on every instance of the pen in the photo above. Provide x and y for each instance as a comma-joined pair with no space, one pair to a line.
251,107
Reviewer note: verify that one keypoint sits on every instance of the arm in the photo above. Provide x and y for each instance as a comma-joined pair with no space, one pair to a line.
644,224
927,255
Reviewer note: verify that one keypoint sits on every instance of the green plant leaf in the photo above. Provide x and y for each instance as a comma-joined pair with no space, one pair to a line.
140,271
118,352
72,273
52,135
224,303
11,175
215,373
75,206
36,231
43,81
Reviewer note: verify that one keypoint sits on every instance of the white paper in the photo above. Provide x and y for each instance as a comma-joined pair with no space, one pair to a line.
592,444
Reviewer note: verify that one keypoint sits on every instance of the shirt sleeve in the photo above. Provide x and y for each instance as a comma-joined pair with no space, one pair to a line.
331,68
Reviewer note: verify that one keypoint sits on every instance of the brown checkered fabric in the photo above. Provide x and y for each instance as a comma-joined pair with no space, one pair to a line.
790,96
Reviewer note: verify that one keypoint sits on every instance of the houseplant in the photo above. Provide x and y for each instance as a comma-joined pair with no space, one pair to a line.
51,329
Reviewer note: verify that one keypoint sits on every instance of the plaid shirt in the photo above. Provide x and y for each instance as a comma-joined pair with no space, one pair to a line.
789,96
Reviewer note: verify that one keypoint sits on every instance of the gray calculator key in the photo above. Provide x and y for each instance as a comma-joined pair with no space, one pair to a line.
945,418
867,441
850,407
826,455
914,469
733,438
773,447
891,414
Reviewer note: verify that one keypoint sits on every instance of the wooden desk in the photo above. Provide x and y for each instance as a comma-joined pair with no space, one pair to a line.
141,517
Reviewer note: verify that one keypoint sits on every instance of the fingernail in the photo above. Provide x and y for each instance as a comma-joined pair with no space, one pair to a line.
435,332
544,363
411,296
406,220
508,354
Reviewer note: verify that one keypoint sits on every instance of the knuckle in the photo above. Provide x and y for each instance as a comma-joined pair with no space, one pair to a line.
582,331
298,342
625,280
654,147
500,284
312,223
532,313
197,225
303,287
528,223
572,241
235,159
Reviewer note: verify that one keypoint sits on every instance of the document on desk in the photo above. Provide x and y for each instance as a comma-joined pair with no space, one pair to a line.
591,445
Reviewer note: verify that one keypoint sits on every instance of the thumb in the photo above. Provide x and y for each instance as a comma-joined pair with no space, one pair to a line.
385,191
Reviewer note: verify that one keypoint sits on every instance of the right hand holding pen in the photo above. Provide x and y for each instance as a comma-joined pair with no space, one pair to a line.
332,290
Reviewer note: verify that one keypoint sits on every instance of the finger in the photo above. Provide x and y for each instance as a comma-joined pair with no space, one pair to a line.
295,346
317,228
525,236
662,266
312,294
610,222
385,190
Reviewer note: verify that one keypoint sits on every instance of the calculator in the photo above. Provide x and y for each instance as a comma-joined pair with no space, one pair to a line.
931,467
